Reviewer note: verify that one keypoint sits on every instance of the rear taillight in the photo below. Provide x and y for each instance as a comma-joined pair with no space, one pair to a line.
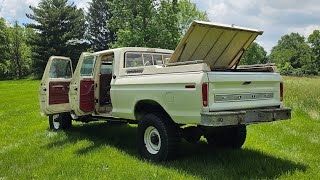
281,91
205,94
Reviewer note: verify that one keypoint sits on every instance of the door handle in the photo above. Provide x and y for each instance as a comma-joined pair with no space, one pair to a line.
58,86
74,87
44,88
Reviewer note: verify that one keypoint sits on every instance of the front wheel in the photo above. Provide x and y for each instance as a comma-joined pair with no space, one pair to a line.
158,138
60,121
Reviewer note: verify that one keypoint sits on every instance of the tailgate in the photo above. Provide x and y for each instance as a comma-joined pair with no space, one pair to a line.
243,90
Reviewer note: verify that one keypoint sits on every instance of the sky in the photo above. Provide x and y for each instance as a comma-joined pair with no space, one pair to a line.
275,17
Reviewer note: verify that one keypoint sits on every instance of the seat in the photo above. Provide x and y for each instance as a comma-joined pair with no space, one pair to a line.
105,80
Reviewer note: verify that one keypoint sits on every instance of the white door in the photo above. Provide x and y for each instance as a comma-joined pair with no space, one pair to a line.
82,86
54,88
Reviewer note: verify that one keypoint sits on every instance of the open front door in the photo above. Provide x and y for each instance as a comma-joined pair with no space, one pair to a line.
82,86
54,89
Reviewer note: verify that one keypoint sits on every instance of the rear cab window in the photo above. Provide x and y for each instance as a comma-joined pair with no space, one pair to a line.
141,59
133,60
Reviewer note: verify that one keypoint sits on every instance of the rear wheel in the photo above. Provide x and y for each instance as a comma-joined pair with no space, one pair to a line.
233,137
158,138
60,121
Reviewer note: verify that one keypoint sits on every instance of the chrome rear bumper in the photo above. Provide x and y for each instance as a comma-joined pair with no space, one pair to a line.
231,118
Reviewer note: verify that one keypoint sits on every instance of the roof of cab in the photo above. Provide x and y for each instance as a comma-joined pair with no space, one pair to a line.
134,49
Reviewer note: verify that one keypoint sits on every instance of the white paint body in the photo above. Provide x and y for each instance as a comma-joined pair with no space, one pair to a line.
166,86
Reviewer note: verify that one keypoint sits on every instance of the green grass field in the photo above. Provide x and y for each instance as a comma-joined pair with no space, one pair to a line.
28,150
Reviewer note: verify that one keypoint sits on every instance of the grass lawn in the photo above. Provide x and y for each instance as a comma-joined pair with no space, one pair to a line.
28,150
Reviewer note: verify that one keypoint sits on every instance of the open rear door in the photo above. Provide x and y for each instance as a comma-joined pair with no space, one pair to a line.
82,86
54,89
218,45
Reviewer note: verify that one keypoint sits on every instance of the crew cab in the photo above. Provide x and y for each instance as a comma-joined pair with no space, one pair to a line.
196,90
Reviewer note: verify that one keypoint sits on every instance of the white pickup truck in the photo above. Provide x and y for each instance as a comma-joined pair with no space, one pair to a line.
196,90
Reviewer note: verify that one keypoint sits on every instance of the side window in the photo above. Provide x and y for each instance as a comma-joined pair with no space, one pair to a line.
144,59
106,64
87,66
60,68
134,60
157,59
106,68
147,60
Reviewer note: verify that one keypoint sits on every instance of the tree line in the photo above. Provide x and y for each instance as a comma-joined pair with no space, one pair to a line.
294,54
58,27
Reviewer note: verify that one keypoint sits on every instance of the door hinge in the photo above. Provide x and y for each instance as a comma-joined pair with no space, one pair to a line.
96,85
97,101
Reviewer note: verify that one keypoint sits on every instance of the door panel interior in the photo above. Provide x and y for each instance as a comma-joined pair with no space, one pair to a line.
87,95
58,92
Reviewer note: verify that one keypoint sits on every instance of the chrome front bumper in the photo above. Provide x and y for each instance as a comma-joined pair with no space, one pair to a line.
231,118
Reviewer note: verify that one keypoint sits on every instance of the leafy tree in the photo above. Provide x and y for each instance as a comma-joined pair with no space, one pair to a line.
3,39
134,22
293,49
26,52
189,12
15,53
255,54
17,39
4,48
60,28
98,17
167,25
314,41
152,23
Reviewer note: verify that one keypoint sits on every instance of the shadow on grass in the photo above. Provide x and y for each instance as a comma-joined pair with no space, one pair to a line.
196,159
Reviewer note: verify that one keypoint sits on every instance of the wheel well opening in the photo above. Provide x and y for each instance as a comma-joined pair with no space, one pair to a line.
148,106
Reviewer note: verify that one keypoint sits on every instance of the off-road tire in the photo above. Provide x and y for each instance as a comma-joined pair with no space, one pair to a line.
168,137
60,121
232,137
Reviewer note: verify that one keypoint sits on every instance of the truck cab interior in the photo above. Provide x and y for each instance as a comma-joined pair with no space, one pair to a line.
105,77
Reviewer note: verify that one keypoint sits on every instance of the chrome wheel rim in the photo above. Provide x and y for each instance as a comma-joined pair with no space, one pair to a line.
55,121
152,140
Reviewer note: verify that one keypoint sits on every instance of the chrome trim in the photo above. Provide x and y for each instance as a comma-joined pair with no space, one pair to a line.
247,117
242,97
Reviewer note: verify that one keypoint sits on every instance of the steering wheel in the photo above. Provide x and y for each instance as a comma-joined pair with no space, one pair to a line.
147,63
